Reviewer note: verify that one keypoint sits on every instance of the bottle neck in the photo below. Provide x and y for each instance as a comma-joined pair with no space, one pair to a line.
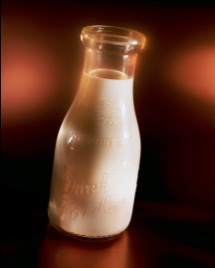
109,64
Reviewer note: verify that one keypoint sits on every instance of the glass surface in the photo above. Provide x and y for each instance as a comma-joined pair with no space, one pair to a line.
103,37
98,146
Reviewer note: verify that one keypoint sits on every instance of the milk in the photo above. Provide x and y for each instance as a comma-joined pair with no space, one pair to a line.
96,158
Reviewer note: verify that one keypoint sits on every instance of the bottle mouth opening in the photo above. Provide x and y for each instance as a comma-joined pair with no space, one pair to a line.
104,37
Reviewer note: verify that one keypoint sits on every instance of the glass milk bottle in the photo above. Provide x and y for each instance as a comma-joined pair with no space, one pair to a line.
98,145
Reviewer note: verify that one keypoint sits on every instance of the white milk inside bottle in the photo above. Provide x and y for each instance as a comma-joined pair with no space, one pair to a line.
96,158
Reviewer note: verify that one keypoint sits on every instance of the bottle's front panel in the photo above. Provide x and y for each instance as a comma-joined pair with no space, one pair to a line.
96,162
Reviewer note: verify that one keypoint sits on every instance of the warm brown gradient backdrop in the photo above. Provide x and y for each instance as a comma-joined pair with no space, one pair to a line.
174,94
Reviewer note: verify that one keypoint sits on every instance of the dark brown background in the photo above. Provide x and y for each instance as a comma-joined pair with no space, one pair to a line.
174,96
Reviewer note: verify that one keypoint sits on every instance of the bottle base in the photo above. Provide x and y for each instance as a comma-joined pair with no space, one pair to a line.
86,238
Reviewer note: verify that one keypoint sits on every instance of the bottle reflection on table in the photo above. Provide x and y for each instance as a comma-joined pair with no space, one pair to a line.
60,251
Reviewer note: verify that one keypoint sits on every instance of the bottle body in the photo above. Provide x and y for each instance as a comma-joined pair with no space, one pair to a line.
96,158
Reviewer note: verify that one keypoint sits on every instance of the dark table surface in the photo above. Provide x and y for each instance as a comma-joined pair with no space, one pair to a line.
159,235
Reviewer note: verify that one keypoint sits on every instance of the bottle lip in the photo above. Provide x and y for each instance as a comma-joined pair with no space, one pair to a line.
118,39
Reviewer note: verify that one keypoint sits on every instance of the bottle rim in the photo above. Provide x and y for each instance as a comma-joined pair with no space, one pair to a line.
119,39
